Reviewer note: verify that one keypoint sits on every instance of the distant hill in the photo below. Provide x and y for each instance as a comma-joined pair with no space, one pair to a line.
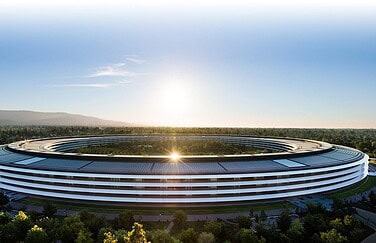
24,118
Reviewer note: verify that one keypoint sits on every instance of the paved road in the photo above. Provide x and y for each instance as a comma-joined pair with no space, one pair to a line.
370,239
369,219
371,169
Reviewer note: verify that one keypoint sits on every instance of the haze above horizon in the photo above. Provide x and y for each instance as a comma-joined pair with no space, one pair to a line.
203,63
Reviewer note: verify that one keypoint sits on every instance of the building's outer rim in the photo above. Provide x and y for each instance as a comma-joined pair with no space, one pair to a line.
27,173
313,147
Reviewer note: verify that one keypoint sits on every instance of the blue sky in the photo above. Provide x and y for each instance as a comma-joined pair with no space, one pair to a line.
198,64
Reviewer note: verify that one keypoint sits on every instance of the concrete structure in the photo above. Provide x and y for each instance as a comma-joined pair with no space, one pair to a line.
43,167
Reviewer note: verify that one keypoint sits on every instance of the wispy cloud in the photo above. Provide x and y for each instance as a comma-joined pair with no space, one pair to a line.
115,70
92,85
135,60
118,69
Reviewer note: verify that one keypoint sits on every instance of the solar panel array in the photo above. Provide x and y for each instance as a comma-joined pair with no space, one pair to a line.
117,167
191,167
59,164
315,160
256,165
12,157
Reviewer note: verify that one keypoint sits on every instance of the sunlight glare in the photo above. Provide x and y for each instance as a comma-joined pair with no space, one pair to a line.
175,97
174,156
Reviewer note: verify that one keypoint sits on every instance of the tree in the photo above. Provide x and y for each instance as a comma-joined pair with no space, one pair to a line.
217,228
353,229
263,216
161,236
4,218
205,237
257,218
84,236
71,227
33,215
340,208
49,209
136,235
125,220
120,235
337,224
92,222
332,236
316,209
22,225
261,230
356,235
284,221
109,238
188,236
244,222
315,238
4,199
229,232
314,223
179,219
246,236
102,232
251,213
251,216
270,234
296,232
36,235
21,216
348,221
52,227
8,232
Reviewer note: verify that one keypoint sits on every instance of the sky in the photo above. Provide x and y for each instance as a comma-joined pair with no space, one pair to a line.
193,63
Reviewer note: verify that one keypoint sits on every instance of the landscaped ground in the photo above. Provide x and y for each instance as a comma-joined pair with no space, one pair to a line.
158,210
167,147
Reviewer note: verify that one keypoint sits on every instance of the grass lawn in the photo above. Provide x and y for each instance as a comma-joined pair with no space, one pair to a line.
362,186
157,210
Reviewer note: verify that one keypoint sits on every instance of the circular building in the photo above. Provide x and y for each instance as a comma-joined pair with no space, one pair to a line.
46,168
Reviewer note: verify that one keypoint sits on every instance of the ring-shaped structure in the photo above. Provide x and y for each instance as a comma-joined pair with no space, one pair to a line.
46,168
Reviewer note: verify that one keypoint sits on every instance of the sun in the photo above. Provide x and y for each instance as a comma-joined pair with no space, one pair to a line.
175,97
172,102
174,156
